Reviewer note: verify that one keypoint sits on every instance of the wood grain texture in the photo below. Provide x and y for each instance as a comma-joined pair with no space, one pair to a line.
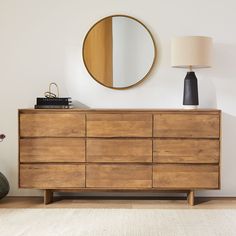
52,150
118,176
186,151
119,125
182,125
119,150
50,176
98,52
63,124
185,176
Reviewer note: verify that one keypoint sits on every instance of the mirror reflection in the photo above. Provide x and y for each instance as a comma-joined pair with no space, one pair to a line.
119,51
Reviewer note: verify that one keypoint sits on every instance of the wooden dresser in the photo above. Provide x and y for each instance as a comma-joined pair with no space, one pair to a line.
119,150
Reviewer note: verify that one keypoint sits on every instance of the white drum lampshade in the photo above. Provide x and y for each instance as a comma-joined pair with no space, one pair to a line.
191,52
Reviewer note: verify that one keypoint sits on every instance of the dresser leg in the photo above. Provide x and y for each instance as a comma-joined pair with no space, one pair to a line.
190,197
48,196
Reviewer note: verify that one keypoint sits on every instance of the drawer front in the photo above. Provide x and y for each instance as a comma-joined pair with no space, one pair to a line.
118,176
52,150
119,150
49,176
119,125
185,176
52,125
186,151
187,125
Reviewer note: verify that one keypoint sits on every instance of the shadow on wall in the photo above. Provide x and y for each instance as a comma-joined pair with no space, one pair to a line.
207,92
79,105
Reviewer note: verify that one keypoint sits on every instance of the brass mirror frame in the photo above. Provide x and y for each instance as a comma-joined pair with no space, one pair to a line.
154,45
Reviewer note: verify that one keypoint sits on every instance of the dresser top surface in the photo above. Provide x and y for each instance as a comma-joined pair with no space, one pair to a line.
119,110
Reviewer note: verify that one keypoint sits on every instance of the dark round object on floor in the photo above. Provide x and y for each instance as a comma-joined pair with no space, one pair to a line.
4,186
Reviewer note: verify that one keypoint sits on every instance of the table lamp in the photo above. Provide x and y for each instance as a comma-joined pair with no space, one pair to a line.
191,52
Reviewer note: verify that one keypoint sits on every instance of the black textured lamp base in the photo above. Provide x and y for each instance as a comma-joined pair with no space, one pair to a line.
190,99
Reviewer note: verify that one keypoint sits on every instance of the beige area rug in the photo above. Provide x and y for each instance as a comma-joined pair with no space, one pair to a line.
117,222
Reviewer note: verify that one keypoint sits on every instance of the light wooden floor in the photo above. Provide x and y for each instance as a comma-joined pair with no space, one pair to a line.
124,203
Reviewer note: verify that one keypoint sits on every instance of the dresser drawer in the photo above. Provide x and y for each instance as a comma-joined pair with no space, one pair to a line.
51,176
186,125
52,150
119,150
52,125
186,151
185,176
118,176
119,125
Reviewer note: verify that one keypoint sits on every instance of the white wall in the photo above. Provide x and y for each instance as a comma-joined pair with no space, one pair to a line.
41,41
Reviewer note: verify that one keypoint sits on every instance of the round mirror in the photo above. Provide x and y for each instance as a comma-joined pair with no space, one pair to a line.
119,51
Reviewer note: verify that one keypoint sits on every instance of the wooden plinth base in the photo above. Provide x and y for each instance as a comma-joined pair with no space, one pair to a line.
48,196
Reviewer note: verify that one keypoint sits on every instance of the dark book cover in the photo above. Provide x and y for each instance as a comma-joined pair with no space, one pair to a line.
54,101
53,107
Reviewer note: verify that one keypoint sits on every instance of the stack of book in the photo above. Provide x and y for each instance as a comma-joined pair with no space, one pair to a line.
53,103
